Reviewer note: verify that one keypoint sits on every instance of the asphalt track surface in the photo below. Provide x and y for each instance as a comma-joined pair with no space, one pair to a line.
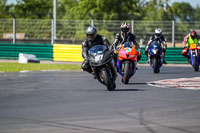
74,102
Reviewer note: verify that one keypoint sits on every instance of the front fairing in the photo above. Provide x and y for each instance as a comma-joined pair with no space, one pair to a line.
127,51
155,48
99,55
155,52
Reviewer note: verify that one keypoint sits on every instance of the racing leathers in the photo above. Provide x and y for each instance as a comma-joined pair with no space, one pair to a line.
87,44
120,38
161,39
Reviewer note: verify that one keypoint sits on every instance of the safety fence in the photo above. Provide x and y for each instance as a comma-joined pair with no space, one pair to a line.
73,31
71,53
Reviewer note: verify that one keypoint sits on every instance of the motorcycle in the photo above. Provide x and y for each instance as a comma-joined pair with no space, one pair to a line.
102,64
155,56
193,54
127,61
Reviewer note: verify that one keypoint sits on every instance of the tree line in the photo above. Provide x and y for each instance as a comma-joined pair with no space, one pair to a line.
154,10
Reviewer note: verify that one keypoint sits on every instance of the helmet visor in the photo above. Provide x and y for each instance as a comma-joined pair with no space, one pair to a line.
90,36
125,30
158,35
193,37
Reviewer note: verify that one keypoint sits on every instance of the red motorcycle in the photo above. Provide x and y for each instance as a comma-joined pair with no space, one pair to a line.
127,61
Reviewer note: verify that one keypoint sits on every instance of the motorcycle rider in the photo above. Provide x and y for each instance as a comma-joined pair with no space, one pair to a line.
125,35
190,38
157,36
93,39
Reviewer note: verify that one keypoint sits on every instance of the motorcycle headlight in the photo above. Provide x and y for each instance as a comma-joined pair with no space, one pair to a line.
154,51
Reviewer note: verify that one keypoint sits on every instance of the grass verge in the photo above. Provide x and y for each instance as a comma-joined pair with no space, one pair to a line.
16,67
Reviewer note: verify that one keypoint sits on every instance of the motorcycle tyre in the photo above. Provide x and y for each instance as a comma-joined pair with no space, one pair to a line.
107,81
195,66
156,68
126,72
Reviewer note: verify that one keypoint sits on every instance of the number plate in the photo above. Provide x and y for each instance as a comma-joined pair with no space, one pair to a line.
98,58
193,46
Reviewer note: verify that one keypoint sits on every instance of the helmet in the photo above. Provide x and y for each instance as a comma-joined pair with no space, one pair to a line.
158,32
193,34
91,32
125,28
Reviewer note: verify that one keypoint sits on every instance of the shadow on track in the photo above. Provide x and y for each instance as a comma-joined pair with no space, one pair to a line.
130,90
136,84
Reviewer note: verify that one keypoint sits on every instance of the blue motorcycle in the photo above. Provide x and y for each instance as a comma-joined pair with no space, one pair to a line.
155,55
194,56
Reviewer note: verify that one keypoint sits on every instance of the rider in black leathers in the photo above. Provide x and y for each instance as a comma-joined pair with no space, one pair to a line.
126,35
93,39
157,36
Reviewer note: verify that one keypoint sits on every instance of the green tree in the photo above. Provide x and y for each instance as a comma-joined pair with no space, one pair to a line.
33,9
182,11
197,14
65,9
101,9
157,10
4,9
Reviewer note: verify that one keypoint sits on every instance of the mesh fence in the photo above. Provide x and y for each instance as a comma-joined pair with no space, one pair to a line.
73,31
34,29
6,28
183,28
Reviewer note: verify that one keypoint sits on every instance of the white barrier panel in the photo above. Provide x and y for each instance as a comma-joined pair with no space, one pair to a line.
27,58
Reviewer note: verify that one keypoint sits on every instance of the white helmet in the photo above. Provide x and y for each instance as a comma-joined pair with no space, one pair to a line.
158,32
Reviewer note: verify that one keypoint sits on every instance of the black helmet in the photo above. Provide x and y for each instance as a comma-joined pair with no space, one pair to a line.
91,32
193,34
125,27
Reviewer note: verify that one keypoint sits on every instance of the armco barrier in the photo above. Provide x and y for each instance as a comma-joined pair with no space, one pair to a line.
11,51
73,53
66,52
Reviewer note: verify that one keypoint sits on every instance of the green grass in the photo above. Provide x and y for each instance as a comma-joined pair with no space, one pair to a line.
16,67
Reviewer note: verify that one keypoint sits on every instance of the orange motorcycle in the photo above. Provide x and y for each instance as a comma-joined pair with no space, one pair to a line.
127,61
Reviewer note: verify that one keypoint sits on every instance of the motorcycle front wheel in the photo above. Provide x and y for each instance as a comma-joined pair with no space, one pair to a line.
195,65
126,72
156,68
107,80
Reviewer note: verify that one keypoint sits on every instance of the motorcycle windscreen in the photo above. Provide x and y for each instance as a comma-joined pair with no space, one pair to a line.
155,48
128,44
98,49
155,44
